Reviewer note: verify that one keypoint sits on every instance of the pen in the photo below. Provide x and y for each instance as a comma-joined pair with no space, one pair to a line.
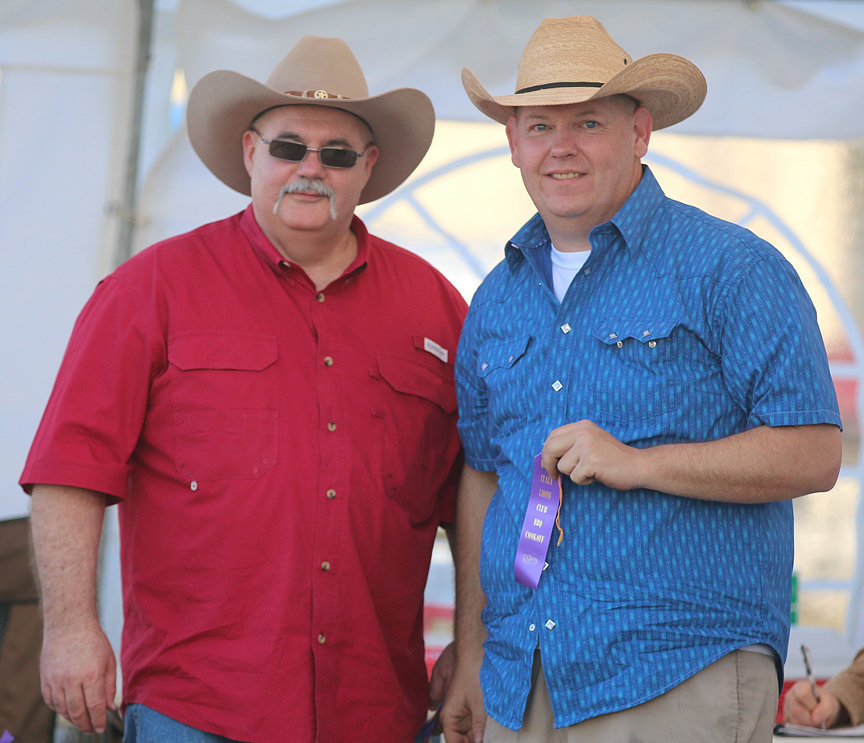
805,653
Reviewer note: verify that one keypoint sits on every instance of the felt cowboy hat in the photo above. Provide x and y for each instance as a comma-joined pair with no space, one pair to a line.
318,71
570,60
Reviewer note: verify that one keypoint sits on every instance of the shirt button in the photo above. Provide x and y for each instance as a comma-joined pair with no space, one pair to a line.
550,625
532,627
652,344
193,485
586,271
328,361
566,328
331,494
320,296
325,566
322,639
331,426
556,385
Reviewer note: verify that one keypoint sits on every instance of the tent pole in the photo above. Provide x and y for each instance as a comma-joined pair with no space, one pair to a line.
128,207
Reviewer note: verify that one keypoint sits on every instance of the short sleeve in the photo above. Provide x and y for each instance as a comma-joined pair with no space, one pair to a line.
773,356
472,395
94,415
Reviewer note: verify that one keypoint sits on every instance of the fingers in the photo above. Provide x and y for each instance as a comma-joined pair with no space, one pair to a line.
798,702
70,703
557,444
95,705
436,692
110,688
463,716
827,711
442,675
562,456
55,699
564,451
84,703
478,727
465,728
801,708
576,468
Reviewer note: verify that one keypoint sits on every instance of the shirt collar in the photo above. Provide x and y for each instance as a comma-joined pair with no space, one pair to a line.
268,252
634,219
532,239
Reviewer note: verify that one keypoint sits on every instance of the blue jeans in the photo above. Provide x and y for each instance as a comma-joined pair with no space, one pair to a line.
144,725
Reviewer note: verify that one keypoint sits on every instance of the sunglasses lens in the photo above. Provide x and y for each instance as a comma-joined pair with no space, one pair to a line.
335,157
284,150
331,157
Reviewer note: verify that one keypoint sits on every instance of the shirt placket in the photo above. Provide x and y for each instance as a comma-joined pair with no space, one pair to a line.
326,560
545,615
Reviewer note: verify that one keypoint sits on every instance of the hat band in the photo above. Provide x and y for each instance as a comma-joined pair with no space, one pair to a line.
319,94
532,88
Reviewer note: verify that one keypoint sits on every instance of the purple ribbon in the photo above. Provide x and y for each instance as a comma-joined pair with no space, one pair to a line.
537,527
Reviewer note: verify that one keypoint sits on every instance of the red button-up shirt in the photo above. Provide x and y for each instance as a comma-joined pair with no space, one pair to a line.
282,458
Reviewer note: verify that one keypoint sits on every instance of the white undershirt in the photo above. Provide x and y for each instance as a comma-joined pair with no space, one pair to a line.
564,267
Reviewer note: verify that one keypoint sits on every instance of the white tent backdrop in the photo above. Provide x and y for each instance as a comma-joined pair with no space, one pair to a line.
789,76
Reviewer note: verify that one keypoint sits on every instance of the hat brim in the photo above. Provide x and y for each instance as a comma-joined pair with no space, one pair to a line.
670,87
223,104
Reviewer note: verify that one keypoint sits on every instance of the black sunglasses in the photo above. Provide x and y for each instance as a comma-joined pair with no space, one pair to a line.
331,157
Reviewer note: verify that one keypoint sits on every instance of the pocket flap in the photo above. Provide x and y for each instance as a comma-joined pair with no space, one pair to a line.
222,350
501,354
644,330
413,378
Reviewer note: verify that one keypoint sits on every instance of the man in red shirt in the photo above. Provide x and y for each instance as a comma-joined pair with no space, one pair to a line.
270,400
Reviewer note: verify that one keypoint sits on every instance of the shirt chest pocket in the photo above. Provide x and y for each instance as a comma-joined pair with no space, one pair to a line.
502,365
222,387
416,424
633,375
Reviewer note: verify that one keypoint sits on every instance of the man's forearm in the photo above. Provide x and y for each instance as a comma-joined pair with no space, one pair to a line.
78,668
66,524
760,465
475,493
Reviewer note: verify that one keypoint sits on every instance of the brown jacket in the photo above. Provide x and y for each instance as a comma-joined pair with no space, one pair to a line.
848,687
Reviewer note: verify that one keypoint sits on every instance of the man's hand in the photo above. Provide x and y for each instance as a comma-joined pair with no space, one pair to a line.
801,708
79,675
442,675
586,453
463,715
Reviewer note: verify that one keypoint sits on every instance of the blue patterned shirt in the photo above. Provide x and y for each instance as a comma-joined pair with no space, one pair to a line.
679,328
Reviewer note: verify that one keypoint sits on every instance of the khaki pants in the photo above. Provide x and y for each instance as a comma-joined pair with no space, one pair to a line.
22,711
731,701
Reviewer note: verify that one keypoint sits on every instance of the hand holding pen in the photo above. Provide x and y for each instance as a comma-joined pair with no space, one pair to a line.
807,704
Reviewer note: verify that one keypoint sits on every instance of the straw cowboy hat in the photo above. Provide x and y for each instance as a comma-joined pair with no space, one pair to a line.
318,71
570,60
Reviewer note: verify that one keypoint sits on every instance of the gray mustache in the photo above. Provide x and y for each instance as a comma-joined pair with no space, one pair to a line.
307,185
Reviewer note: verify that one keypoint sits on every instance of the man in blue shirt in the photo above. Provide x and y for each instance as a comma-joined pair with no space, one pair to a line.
669,367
